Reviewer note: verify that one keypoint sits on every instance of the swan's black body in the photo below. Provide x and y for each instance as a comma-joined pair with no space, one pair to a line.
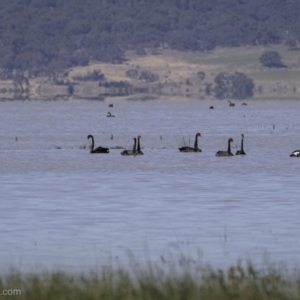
130,152
211,107
296,153
99,149
139,151
109,115
192,149
228,152
241,152
231,103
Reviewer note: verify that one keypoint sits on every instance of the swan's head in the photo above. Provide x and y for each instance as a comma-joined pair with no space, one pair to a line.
230,140
198,134
139,137
242,136
89,136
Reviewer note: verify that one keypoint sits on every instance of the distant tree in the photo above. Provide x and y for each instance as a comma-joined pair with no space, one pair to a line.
235,86
242,86
140,50
188,82
208,89
132,73
96,75
19,79
77,27
272,59
201,75
291,44
147,76
57,67
222,85
70,89
80,58
18,45
6,74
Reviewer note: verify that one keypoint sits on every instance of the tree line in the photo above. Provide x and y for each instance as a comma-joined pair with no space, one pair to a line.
46,36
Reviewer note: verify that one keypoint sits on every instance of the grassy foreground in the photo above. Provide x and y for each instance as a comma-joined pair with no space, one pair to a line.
153,282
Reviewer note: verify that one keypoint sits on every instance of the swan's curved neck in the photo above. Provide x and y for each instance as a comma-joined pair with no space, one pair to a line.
242,145
92,143
134,146
196,142
138,145
229,147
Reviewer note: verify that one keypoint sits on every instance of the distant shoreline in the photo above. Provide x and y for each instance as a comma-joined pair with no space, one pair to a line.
165,75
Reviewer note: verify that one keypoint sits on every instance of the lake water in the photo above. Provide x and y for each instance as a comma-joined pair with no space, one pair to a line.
64,207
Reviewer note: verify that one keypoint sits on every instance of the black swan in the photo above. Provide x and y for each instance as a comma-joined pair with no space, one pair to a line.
139,151
130,152
241,152
231,103
109,115
211,107
192,149
228,152
99,149
110,105
296,153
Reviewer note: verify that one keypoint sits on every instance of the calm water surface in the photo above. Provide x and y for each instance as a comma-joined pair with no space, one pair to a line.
64,207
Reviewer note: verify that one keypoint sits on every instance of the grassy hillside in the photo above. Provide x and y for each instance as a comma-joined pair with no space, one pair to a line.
175,68
177,75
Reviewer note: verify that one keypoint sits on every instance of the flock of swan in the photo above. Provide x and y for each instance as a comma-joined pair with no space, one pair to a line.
136,149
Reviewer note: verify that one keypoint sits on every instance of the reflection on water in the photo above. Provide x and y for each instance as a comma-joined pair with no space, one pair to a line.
62,206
